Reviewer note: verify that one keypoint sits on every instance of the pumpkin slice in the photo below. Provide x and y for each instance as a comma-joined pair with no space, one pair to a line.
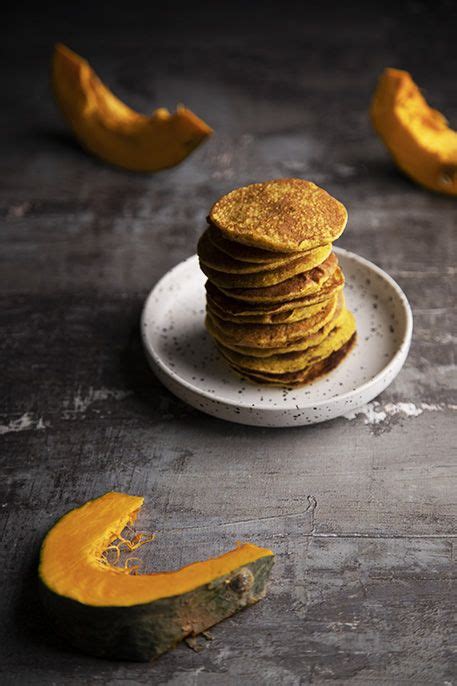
416,135
109,129
107,611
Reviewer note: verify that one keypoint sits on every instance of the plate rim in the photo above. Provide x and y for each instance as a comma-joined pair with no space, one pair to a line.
403,346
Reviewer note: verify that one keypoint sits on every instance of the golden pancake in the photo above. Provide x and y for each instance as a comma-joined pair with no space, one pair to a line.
308,260
213,257
270,310
304,376
296,361
245,253
280,318
308,340
298,344
268,335
296,287
283,215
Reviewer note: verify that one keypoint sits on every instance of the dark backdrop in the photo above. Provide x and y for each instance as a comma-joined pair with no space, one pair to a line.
362,513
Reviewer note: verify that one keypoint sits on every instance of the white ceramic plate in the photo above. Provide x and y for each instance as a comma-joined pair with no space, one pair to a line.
186,360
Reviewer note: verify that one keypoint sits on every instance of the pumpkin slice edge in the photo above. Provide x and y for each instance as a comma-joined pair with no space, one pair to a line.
120,615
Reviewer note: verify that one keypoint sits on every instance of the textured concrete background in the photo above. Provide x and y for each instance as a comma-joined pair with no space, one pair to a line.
361,511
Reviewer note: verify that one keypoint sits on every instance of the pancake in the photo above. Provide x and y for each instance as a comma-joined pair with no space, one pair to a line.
268,335
296,345
305,376
280,318
240,309
341,333
217,259
296,287
261,279
244,253
285,215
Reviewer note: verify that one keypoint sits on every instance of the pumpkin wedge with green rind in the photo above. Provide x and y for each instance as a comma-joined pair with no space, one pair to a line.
109,612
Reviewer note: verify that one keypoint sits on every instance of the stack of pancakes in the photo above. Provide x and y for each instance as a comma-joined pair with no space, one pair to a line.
275,303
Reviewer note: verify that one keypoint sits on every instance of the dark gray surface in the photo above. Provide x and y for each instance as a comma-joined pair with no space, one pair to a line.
362,512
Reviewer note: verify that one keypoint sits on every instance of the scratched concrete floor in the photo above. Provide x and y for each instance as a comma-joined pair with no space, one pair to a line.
362,512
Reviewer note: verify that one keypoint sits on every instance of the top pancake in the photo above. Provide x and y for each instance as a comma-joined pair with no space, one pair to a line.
284,215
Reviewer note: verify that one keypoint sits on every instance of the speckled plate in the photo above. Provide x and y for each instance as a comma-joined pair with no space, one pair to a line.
186,360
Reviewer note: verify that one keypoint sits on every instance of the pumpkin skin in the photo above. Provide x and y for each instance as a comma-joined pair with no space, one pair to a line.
417,136
111,613
111,130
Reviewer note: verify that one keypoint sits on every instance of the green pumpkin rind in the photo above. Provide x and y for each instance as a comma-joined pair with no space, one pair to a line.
143,632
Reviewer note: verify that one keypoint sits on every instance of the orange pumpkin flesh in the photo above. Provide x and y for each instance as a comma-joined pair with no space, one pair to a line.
417,136
111,130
